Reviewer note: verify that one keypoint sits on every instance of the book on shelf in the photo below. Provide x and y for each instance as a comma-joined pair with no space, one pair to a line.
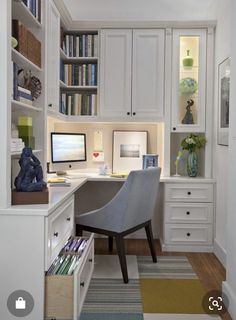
77,104
79,74
80,45
35,7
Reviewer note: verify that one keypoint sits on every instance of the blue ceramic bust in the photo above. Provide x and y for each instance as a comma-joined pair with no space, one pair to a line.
30,177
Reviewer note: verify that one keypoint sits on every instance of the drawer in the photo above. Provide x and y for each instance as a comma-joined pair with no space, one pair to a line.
189,192
65,294
188,212
60,226
188,234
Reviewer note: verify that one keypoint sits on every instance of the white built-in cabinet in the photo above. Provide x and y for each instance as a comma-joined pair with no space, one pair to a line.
132,74
188,79
53,56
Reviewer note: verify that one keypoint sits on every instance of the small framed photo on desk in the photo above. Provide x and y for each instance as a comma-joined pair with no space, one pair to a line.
150,160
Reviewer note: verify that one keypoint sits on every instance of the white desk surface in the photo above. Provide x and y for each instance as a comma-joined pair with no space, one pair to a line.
57,195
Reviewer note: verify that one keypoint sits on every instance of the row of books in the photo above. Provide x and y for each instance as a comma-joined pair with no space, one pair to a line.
69,258
28,45
19,93
76,104
82,45
59,182
35,7
79,74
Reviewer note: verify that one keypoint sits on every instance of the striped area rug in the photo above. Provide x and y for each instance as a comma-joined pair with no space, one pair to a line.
167,267
110,299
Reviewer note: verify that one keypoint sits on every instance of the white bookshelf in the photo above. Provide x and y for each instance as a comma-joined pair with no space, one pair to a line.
17,154
65,86
23,62
66,58
18,105
22,13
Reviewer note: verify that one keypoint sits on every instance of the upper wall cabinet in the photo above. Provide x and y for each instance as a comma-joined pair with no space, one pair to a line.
188,80
53,57
132,74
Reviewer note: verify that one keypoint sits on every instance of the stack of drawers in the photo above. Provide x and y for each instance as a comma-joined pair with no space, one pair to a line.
188,217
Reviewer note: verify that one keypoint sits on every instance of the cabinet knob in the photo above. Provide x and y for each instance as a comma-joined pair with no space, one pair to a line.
128,113
82,284
68,219
174,129
134,113
188,212
90,260
189,193
55,234
50,104
188,234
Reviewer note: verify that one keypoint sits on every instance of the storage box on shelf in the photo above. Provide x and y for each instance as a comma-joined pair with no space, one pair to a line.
188,216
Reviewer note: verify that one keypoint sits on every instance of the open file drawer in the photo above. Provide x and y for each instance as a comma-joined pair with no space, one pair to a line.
65,294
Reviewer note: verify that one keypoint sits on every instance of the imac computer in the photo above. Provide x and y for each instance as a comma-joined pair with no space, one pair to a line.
67,148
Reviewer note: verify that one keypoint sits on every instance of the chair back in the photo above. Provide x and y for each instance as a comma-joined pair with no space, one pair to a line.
136,200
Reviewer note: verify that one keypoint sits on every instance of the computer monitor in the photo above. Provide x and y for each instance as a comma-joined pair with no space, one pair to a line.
68,147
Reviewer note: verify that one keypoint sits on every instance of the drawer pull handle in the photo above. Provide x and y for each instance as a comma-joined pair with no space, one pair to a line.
134,113
128,113
189,193
90,260
82,284
55,234
188,234
68,219
188,212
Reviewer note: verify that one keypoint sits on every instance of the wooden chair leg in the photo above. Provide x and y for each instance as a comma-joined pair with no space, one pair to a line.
79,231
148,229
121,254
110,243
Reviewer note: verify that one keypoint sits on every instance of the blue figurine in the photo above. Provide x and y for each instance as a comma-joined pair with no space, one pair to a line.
30,177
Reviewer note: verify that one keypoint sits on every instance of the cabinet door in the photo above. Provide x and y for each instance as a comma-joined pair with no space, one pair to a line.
115,84
53,57
188,80
148,73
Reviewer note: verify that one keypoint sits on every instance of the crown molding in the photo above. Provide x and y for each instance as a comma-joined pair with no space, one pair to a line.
66,18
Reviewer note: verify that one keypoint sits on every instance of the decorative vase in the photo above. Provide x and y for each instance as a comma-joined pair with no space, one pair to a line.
188,61
192,164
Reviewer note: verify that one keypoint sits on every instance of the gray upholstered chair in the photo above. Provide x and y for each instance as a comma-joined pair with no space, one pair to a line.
131,209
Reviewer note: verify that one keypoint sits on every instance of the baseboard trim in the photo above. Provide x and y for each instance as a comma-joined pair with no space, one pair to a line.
220,252
232,299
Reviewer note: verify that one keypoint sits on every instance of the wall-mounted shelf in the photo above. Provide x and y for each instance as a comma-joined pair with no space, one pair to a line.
64,57
17,154
65,86
17,105
22,61
22,13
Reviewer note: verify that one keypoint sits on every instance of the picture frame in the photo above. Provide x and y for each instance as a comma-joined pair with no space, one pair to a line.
128,150
223,102
150,160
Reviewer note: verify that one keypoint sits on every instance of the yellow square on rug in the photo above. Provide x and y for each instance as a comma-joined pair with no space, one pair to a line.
172,296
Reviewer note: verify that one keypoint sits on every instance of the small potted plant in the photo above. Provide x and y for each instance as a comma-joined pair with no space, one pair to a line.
192,143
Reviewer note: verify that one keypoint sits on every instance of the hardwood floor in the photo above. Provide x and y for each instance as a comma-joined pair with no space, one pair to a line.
208,268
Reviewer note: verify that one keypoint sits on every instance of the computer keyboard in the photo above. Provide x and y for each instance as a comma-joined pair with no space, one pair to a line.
76,176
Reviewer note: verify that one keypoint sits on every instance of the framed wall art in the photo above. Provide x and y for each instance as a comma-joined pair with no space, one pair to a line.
128,150
223,102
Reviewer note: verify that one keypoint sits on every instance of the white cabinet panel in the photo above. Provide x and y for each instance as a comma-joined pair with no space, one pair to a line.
132,74
115,72
148,73
53,57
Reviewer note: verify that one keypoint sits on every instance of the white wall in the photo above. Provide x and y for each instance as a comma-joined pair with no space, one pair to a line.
229,286
143,10
221,10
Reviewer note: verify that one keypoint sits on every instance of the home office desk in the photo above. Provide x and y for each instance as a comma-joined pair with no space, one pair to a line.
33,235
